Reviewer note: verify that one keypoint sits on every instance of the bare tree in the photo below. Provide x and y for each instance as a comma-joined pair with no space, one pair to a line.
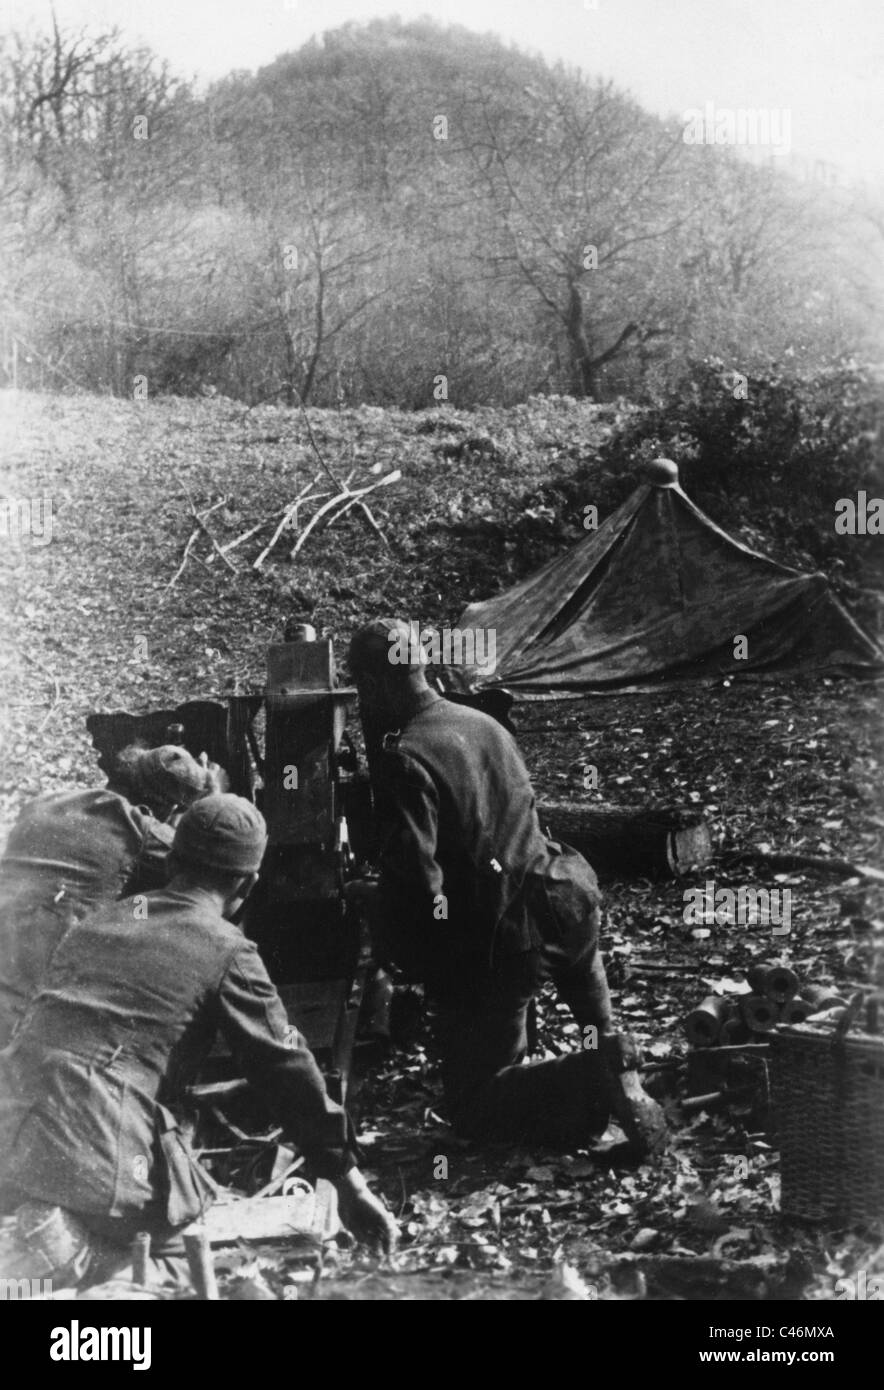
581,192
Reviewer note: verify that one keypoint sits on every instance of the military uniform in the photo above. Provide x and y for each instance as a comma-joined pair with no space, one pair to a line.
478,903
129,1010
67,854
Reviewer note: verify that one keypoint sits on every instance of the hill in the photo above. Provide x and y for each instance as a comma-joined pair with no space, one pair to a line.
395,212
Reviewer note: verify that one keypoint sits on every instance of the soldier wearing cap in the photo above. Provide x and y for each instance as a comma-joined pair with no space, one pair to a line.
129,1010
476,902
70,852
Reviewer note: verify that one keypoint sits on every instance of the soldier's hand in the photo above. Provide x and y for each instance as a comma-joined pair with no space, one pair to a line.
216,778
365,1215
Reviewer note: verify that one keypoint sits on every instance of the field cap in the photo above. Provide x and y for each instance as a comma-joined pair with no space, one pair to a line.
384,646
169,772
222,831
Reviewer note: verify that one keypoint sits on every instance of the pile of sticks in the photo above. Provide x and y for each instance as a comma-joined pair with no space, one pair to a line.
328,507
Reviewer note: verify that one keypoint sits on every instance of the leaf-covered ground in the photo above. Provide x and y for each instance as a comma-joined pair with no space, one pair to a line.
91,621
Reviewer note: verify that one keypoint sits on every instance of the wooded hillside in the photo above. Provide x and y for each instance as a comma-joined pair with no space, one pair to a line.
399,213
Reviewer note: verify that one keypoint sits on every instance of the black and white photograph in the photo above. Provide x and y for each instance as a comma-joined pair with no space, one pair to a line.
442,641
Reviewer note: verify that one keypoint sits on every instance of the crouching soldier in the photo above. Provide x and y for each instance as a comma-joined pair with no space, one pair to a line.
70,852
131,1005
476,902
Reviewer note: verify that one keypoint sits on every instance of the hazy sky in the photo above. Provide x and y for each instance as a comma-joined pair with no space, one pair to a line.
823,60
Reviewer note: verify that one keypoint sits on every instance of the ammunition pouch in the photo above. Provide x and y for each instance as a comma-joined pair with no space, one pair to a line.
183,1189
563,900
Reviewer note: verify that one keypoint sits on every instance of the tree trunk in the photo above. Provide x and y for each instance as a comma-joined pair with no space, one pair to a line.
631,842
581,357
585,364
291,364
319,337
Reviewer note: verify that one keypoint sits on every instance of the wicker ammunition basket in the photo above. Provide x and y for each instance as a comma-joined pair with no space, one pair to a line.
828,1099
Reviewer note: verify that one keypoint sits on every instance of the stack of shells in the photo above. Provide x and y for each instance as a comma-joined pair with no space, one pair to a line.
776,996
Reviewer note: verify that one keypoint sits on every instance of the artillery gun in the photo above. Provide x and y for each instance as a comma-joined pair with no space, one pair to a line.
286,750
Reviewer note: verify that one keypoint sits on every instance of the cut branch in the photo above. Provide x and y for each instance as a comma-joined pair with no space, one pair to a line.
349,499
786,860
52,676
201,526
198,529
290,511
252,531
345,489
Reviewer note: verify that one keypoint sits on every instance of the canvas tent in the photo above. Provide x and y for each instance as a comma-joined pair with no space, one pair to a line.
657,596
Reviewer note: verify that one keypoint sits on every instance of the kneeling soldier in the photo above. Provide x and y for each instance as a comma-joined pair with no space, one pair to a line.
130,1008
476,902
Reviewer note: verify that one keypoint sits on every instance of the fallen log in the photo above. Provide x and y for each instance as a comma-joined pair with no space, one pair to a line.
631,843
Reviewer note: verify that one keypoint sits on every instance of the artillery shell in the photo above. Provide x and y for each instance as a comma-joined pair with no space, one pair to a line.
795,1011
779,982
733,1032
821,997
703,1024
759,1013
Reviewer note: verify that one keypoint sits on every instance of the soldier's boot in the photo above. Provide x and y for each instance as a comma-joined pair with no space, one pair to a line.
641,1118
